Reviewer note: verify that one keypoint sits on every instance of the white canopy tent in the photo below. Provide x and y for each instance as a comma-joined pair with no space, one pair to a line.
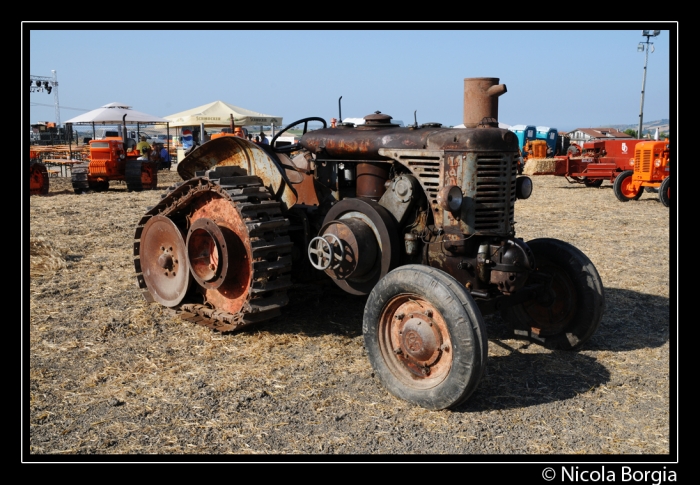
113,113
219,113
116,114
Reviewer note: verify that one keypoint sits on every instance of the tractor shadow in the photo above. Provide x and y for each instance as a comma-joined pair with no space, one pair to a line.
515,376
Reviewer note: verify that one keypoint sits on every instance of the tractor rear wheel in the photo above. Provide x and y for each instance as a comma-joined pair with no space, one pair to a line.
79,177
567,314
624,189
38,179
665,192
141,175
425,337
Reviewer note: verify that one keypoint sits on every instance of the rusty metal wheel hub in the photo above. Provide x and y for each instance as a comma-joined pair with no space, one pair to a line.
164,261
207,250
415,340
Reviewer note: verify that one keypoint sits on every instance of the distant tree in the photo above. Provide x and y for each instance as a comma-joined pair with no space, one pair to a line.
631,132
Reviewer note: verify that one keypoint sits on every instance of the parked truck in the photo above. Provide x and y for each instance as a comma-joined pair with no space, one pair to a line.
420,219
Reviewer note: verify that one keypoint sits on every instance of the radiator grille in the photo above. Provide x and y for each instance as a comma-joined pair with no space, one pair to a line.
495,193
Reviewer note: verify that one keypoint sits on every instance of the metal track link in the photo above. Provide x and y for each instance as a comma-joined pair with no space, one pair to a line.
271,248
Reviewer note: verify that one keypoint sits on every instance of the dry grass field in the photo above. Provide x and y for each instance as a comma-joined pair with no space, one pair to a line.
106,373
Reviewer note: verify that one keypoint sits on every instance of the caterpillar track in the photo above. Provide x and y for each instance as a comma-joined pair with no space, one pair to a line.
215,251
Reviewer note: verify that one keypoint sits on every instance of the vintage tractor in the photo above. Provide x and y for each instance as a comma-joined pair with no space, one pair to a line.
111,160
38,175
421,219
651,170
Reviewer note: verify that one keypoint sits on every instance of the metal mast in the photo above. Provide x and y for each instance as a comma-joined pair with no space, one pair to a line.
640,47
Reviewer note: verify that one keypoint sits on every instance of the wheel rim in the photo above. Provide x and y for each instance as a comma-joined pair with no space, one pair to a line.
414,341
552,314
164,261
221,262
627,188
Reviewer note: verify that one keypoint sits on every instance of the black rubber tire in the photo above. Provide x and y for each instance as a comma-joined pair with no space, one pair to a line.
665,192
79,177
594,184
134,175
619,184
458,367
578,298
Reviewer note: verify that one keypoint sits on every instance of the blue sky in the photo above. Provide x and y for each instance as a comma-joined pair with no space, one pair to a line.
564,76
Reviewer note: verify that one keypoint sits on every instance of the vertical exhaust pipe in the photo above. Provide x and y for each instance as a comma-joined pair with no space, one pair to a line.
481,101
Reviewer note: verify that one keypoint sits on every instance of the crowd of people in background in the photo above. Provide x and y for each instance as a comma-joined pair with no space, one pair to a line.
158,152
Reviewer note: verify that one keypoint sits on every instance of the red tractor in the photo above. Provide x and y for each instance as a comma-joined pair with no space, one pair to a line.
650,170
38,175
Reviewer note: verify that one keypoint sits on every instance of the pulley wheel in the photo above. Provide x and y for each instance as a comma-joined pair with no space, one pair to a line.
164,261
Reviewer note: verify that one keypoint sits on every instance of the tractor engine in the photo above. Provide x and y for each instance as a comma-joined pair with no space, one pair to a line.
442,197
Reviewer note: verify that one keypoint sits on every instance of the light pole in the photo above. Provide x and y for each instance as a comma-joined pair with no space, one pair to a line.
640,48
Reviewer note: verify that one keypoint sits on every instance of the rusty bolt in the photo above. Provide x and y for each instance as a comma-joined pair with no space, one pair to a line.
398,351
429,313
399,316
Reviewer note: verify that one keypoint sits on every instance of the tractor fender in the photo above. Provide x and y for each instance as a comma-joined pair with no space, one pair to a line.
233,151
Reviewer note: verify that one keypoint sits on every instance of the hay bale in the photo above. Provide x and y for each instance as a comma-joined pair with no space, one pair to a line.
540,166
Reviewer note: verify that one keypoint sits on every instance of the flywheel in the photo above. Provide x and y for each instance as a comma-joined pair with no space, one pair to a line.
229,235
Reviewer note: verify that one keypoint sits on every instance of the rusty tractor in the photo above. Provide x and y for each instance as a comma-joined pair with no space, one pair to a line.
38,175
112,159
420,219
651,171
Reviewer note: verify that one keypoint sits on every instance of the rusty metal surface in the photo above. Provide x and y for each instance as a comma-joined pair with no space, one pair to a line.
250,158
415,341
164,261
370,179
481,99
258,217
360,247
385,233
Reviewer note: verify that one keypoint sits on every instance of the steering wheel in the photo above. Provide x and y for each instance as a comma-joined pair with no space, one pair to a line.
295,146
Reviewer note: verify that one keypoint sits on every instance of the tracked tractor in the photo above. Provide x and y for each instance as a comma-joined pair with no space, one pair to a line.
419,219
112,159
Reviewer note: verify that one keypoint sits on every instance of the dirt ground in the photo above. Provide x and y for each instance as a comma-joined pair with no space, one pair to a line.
106,373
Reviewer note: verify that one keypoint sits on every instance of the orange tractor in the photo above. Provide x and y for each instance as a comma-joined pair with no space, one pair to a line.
651,170
38,175
110,160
